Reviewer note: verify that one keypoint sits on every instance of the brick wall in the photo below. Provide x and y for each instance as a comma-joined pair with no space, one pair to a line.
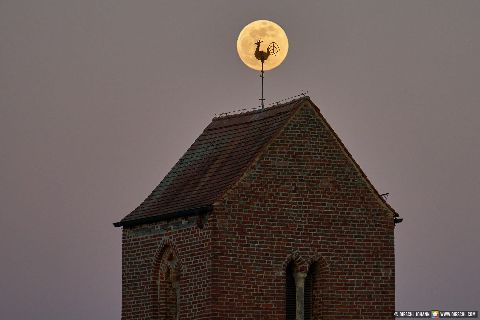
302,201
145,252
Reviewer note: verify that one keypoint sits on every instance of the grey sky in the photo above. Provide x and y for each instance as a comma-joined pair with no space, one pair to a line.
98,99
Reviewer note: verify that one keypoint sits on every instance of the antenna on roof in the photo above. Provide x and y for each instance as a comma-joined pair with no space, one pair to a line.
271,33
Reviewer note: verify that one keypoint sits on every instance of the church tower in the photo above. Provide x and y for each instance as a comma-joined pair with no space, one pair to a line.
266,216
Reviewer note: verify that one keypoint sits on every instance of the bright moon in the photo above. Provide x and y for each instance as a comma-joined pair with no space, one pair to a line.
267,32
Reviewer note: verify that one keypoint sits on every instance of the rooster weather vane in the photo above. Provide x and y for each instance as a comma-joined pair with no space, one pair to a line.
262,45
272,48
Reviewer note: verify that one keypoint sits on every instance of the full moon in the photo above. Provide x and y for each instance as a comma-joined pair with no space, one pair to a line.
267,32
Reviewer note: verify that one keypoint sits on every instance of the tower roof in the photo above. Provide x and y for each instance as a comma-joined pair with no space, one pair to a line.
215,161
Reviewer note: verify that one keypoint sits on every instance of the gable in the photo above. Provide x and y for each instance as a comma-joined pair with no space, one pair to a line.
352,161
306,156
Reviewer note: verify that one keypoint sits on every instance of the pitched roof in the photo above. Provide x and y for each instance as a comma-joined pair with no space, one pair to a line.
215,161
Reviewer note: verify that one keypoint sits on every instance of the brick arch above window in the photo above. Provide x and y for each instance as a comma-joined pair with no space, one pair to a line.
317,258
300,263
166,245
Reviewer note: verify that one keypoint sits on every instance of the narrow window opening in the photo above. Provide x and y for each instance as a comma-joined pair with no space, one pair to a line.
308,295
171,297
168,288
290,291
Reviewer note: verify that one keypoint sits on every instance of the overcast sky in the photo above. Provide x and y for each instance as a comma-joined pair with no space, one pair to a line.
99,99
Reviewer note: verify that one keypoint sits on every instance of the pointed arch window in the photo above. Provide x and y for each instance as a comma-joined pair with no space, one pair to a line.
168,287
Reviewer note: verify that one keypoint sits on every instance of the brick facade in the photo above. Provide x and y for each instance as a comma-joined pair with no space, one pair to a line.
302,201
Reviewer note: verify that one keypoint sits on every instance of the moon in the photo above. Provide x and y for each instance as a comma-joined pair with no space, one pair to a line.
268,32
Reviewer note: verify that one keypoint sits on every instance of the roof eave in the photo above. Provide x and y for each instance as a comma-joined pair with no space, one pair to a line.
172,215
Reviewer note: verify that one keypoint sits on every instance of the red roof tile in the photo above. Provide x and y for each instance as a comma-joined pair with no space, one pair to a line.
214,162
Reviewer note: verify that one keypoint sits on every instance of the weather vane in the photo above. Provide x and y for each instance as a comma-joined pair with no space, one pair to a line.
250,40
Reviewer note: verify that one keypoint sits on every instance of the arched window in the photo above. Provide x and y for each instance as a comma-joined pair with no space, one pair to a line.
290,293
168,288
305,291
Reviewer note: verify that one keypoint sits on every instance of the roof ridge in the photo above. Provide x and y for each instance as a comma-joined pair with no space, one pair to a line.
242,123
273,105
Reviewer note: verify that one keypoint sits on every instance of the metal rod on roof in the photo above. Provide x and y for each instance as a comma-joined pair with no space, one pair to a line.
261,76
